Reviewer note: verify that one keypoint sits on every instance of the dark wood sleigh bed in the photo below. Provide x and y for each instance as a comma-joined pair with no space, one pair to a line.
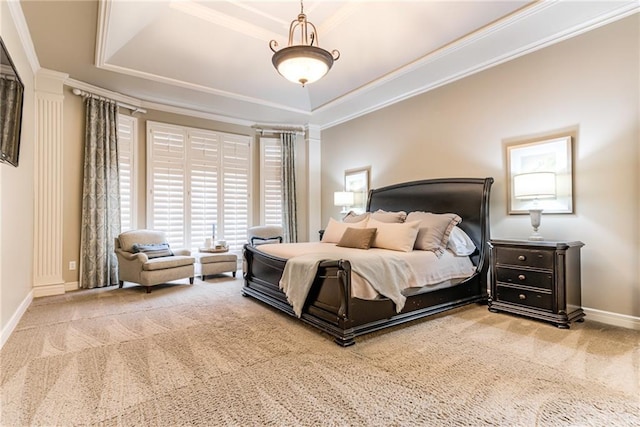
331,308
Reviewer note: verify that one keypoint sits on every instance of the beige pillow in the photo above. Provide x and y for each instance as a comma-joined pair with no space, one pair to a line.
384,216
394,236
354,217
434,230
335,229
359,238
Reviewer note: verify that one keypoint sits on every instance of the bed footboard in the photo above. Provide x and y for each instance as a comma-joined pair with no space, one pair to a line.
328,302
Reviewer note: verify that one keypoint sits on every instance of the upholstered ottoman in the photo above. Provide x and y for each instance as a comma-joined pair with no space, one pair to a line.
216,263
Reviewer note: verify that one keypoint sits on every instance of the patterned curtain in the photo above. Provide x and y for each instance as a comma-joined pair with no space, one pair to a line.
289,204
100,195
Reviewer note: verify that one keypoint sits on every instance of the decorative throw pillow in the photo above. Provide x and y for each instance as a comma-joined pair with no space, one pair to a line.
359,238
335,229
354,217
434,230
152,250
384,216
394,236
460,243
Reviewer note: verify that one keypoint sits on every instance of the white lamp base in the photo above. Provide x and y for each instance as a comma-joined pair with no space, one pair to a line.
535,215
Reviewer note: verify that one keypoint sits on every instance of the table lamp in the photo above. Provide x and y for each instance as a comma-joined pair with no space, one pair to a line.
534,186
345,199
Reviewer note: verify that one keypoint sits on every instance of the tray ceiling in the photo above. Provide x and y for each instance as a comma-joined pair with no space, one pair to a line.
213,56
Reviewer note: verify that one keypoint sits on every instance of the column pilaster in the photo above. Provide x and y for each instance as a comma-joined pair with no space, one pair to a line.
47,261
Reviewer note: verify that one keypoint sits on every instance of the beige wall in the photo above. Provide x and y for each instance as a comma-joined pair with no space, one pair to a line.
589,85
16,193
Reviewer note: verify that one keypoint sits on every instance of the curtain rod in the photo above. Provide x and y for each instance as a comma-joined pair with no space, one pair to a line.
278,129
133,109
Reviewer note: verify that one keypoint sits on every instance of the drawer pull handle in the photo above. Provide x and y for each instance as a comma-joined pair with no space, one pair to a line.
521,277
522,296
522,258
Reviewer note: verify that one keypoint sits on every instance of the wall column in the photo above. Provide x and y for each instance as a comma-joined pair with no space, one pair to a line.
47,236
314,178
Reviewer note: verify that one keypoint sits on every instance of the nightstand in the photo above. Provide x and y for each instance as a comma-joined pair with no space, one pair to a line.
540,280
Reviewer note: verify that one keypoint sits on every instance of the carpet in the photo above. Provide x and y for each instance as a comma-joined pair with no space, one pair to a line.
203,355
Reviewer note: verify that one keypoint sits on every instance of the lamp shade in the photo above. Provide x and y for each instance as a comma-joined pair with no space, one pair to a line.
302,64
343,198
534,185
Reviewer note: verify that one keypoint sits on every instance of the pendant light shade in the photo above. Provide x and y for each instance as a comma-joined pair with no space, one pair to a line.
304,62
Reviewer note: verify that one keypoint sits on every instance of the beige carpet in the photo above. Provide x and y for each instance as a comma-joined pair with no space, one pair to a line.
205,355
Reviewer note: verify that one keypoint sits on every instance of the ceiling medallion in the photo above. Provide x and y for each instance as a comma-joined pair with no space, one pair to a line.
304,62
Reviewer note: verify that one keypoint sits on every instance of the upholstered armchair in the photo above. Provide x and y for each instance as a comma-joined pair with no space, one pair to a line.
264,234
144,257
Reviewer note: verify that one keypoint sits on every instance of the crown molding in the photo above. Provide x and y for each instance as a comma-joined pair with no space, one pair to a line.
23,32
458,47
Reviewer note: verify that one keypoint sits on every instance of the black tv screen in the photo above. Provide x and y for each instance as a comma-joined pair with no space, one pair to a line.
11,97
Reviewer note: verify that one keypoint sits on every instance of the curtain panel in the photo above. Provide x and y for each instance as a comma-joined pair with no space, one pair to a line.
289,202
100,195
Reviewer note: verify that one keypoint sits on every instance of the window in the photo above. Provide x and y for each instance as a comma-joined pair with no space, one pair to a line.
198,179
271,181
127,145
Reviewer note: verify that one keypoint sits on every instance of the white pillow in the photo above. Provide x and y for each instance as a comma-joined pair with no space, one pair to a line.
394,236
460,243
335,229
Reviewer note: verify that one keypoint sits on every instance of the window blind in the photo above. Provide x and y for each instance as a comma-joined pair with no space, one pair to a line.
167,170
127,138
271,181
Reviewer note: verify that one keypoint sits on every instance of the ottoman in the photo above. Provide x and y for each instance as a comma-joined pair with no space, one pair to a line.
216,263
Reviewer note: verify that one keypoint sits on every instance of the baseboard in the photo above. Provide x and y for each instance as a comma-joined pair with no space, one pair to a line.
48,290
13,322
615,319
71,286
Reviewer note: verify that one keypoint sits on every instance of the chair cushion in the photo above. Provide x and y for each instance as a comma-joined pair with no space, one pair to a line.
167,262
142,237
210,258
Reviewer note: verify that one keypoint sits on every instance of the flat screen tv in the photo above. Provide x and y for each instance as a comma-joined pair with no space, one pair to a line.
11,96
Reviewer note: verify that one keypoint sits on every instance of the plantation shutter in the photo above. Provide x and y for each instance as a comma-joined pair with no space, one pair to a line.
235,189
126,150
197,179
166,182
271,181
204,169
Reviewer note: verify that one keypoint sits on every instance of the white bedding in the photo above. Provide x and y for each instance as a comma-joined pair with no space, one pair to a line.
424,267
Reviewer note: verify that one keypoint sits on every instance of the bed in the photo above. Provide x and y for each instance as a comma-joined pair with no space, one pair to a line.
331,306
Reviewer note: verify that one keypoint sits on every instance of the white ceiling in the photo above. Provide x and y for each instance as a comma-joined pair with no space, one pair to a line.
213,56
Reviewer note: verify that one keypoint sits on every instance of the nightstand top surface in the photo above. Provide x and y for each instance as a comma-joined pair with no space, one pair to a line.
558,244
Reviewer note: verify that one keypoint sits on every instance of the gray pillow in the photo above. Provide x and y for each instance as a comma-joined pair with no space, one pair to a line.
354,217
391,217
153,250
434,230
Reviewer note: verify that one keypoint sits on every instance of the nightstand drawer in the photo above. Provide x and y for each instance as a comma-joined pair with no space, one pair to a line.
534,279
524,257
524,297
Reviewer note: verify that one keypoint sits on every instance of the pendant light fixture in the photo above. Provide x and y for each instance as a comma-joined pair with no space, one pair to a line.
303,62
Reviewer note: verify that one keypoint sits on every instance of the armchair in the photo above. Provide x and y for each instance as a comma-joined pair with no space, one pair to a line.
144,257
264,234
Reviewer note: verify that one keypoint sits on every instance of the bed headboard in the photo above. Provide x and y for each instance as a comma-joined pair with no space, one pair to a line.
467,197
